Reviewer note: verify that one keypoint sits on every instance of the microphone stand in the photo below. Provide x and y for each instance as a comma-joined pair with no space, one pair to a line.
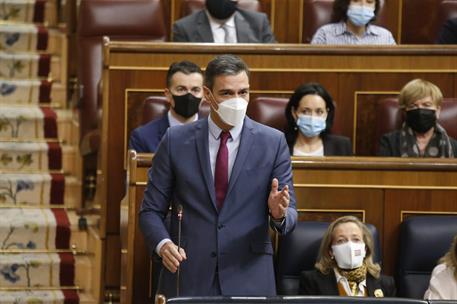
180,209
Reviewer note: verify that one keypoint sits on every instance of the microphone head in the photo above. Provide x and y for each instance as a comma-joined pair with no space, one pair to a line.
180,211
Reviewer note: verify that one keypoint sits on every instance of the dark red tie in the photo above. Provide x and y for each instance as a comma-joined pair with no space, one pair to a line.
221,171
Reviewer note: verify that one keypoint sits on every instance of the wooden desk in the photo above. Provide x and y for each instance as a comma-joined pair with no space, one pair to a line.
136,265
379,191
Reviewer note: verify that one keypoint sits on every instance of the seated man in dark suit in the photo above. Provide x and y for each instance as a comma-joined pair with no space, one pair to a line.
448,33
223,22
184,93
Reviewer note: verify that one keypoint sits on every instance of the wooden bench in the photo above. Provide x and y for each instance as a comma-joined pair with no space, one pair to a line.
382,192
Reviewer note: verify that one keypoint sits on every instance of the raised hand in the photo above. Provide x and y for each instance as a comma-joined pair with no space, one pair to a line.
278,201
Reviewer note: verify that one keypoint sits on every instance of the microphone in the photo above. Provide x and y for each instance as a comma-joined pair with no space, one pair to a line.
180,214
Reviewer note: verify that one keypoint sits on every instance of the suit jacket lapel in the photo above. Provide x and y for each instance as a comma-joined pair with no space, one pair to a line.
328,284
163,126
372,285
243,29
201,141
246,142
203,28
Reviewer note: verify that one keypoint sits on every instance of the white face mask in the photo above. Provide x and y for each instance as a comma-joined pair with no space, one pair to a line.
349,255
232,111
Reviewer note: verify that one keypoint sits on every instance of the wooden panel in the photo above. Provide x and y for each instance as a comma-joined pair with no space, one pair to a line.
366,120
410,202
112,262
415,28
136,279
392,17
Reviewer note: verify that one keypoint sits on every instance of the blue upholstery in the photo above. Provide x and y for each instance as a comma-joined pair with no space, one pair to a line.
298,251
423,240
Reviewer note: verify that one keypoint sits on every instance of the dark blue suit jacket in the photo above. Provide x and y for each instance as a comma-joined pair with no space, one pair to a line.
234,242
146,138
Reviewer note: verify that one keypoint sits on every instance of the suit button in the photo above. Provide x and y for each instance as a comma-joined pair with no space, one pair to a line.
213,254
220,226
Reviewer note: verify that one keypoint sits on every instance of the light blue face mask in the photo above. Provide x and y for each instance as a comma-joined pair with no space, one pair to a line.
311,126
360,15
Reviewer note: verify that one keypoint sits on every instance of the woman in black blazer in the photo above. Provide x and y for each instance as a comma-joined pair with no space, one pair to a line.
310,114
345,264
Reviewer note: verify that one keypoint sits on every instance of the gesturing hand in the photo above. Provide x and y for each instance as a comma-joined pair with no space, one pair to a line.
171,257
278,201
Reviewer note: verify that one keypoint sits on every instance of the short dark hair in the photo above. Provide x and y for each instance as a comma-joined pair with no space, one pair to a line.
340,8
224,65
185,67
294,102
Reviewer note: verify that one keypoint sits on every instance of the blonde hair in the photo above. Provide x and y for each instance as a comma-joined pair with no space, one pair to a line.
450,258
417,89
325,263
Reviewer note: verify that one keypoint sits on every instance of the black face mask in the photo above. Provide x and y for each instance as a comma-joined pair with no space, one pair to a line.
221,9
186,105
421,120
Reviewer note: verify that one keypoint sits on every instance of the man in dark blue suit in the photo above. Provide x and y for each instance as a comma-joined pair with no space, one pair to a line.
232,178
184,93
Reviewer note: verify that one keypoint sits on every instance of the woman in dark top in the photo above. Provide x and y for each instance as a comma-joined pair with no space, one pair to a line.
421,135
345,264
310,114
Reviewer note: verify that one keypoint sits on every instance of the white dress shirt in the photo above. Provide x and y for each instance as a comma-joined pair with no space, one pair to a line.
233,143
218,31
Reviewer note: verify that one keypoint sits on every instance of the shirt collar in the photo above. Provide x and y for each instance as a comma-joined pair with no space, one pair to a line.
215,131
174,122
341,29
216,23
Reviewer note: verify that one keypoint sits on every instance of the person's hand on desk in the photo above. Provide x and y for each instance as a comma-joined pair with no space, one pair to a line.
278,201
171,257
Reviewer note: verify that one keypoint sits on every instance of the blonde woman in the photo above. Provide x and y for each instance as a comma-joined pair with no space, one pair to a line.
443,283
345,264
421,135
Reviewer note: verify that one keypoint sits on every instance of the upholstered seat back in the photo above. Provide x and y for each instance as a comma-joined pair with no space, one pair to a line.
269,111
389,117
446,10
118,19
140,20
419,30
423,240
298,250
